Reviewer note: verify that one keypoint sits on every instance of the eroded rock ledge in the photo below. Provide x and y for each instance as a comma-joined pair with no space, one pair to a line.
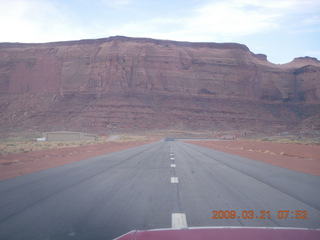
119,77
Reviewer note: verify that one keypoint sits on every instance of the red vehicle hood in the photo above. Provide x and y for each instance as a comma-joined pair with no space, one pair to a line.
224,233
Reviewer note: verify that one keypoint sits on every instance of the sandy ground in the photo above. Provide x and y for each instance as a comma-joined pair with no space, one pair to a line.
298,157
23,163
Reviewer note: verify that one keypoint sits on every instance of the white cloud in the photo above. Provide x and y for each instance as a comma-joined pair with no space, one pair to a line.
227,18
154,28
220,20
312,20
117,3
35,21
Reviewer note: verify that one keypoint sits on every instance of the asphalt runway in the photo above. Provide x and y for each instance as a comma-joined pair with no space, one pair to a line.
159,185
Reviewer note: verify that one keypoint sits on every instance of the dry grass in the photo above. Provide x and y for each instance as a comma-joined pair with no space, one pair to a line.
131,138
14,145
290,140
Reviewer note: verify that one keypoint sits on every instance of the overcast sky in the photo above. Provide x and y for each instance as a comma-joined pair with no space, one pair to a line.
281,29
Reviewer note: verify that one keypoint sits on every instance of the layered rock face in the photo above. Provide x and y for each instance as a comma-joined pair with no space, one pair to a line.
130,84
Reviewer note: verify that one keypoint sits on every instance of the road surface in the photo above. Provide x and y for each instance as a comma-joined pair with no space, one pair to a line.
160,185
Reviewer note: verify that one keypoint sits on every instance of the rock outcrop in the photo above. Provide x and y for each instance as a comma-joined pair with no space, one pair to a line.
131,84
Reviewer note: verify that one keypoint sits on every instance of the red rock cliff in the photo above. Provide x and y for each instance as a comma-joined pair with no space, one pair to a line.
191,81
